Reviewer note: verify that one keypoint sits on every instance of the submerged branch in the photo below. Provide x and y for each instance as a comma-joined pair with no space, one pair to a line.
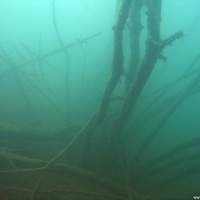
66,169
58,50
180,100
152,54
67,63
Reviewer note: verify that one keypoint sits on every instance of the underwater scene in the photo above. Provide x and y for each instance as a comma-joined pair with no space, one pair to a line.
99,99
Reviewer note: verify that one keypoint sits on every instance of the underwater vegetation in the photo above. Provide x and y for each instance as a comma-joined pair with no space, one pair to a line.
83,121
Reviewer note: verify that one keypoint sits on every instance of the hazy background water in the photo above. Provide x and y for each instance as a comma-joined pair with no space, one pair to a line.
30,22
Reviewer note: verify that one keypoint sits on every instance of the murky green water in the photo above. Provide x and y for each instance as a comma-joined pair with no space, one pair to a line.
57,59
